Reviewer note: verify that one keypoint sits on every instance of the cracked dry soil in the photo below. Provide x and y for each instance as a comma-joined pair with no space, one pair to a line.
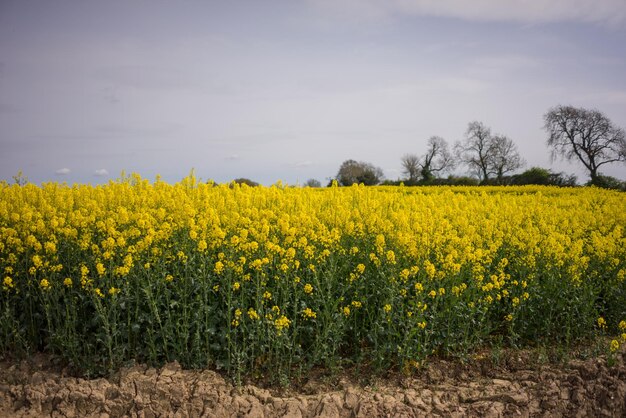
514,387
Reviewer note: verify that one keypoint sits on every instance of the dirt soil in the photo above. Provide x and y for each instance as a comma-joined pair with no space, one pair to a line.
516,385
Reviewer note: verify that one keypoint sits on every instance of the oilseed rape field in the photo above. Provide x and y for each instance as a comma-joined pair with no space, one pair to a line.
273,281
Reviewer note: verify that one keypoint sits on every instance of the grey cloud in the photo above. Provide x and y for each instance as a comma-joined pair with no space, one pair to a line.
101,172
529,11
7,109
302,164
62,171
144,77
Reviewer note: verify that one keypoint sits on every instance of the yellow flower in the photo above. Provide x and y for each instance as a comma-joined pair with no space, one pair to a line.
308,313
508,318
44,284
252,314
100,269
37,263
308,289
257,264
422,324
169,278
346,310
8,282
601,323
236,286
622,325
267,295
114,291
98,292
614,346
50,247
356,304
281,323
219,267
432,293
67,282
387,308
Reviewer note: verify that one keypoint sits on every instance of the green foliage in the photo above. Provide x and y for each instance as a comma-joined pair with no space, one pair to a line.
245,181
542,176
355,172
607,182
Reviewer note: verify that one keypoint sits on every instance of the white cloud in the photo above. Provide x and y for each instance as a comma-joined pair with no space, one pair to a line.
233,157
527,11
101,172
62,171
304,164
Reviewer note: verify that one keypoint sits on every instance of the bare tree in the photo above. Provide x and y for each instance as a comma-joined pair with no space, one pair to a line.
437,158
504,158
352,172
411,167
476,151
584,135
486,154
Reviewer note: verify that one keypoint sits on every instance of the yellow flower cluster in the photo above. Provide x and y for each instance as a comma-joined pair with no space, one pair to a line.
340,255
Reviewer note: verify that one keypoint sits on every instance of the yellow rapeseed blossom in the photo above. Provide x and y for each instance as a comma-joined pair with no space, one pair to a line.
614,345
252,314
8,282
490,248
308,313
281,323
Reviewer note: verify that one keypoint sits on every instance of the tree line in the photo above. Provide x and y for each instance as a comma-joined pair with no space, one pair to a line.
574,134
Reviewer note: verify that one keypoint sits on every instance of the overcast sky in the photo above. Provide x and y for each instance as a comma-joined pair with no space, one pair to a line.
290,89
